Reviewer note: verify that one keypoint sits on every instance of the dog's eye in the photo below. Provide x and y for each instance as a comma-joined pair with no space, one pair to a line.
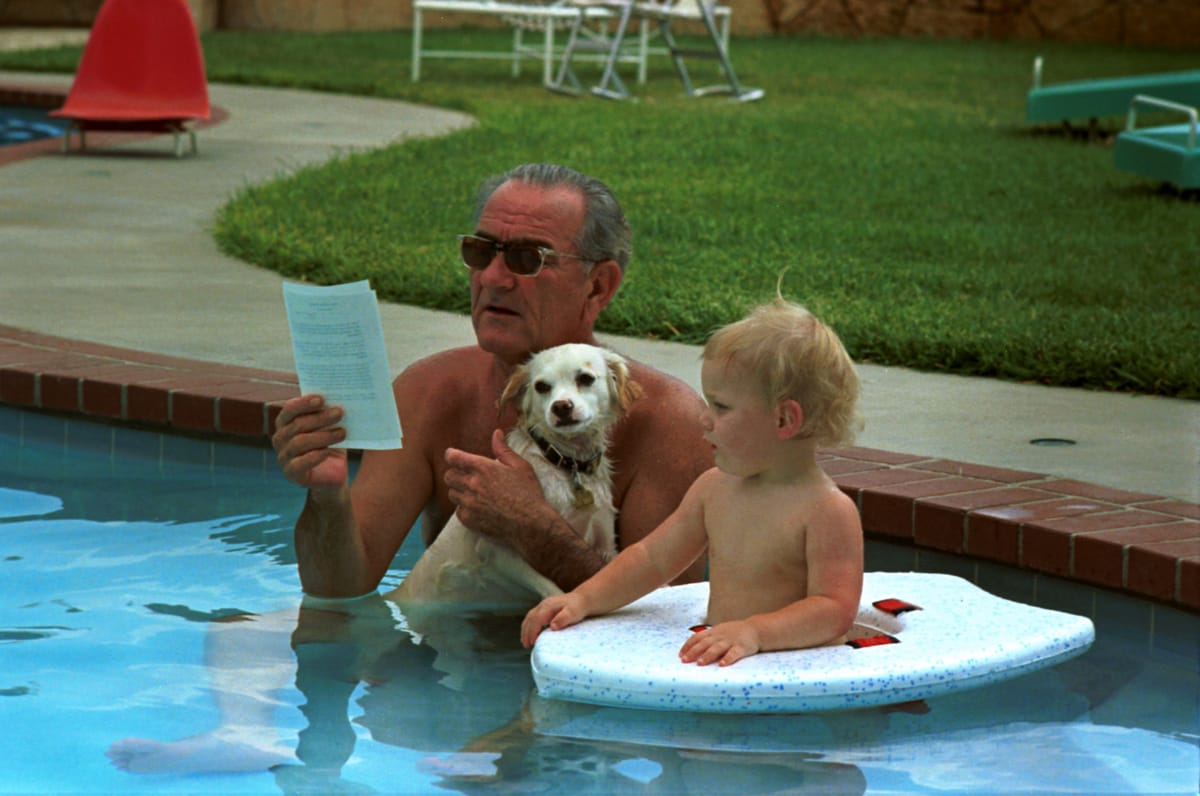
585,380
541,387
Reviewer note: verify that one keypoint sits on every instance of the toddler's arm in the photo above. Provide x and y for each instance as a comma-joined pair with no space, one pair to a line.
666,552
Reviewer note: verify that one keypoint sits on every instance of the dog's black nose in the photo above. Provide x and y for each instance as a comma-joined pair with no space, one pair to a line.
562,409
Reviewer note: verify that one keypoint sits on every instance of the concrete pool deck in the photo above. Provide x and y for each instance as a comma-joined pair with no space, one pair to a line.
116,305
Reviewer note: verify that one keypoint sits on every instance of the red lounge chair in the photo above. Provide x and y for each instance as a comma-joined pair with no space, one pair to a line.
142,71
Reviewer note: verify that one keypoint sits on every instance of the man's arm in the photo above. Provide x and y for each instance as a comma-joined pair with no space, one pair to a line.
501,497
346,536
329,553
304,431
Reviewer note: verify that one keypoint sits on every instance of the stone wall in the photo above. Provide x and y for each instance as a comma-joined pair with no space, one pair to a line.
1144,22
1152,22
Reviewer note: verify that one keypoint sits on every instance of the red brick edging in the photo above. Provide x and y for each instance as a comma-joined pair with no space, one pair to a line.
1143,544
39,371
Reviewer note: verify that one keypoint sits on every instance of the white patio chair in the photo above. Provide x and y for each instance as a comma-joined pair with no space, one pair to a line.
524,17
662,12
608,49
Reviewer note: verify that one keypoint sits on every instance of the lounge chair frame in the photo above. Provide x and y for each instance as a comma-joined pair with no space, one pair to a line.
1092,99
663,13
525,18
177,127
1167,153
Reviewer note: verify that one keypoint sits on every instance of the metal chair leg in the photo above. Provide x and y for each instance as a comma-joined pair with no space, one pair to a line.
565,72
618,90
718,52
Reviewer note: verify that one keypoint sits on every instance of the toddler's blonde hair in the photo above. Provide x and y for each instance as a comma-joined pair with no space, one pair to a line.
793,355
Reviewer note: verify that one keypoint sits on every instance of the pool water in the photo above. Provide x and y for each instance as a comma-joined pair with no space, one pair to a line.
20,124
127,557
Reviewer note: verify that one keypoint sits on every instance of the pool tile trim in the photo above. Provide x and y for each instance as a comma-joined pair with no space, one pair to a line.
1145,545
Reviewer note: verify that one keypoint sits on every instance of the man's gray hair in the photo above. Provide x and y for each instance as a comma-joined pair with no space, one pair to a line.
604,235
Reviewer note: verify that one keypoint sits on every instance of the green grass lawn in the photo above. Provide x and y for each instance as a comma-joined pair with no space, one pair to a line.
894,180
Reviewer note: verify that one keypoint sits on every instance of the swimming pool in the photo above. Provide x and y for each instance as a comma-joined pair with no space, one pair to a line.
20,124
125,555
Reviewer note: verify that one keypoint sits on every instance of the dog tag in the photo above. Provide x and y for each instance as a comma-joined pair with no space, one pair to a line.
583,497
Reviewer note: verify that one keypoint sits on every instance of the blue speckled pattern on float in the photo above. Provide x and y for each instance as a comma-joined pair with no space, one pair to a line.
963,637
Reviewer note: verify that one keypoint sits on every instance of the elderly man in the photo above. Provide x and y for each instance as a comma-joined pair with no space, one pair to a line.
548,253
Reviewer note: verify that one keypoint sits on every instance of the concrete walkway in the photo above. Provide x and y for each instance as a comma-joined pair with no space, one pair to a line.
114,247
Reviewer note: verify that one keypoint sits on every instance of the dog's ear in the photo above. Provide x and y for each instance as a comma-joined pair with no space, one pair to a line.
514,388
620,385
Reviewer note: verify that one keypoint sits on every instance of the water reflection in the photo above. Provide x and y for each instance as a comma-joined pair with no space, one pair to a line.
457,688
469,708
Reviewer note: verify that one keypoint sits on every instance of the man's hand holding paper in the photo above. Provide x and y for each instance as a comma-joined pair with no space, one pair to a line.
337,342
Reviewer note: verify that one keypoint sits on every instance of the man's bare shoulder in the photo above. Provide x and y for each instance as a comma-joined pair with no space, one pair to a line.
442,374
436,392
662,428
663,394
444,366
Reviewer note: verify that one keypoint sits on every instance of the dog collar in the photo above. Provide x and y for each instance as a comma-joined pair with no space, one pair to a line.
556,457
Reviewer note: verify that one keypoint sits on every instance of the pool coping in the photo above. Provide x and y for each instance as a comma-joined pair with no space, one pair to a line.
1141,544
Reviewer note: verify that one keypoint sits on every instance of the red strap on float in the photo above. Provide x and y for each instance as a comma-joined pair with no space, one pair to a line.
872,641
895,607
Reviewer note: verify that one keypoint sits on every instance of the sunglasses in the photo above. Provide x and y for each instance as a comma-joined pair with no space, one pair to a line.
523,259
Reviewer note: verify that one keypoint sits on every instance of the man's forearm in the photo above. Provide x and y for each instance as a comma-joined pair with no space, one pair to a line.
330,554
556,551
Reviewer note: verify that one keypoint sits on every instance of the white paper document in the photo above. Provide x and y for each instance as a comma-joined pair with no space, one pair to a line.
337,342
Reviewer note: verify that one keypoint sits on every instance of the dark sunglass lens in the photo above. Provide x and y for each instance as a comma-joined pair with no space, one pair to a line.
477,252
523,260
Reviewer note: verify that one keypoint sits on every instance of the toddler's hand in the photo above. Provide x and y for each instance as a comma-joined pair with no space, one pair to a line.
557,612
723,644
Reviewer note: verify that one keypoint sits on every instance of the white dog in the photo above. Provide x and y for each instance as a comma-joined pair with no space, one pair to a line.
568,397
